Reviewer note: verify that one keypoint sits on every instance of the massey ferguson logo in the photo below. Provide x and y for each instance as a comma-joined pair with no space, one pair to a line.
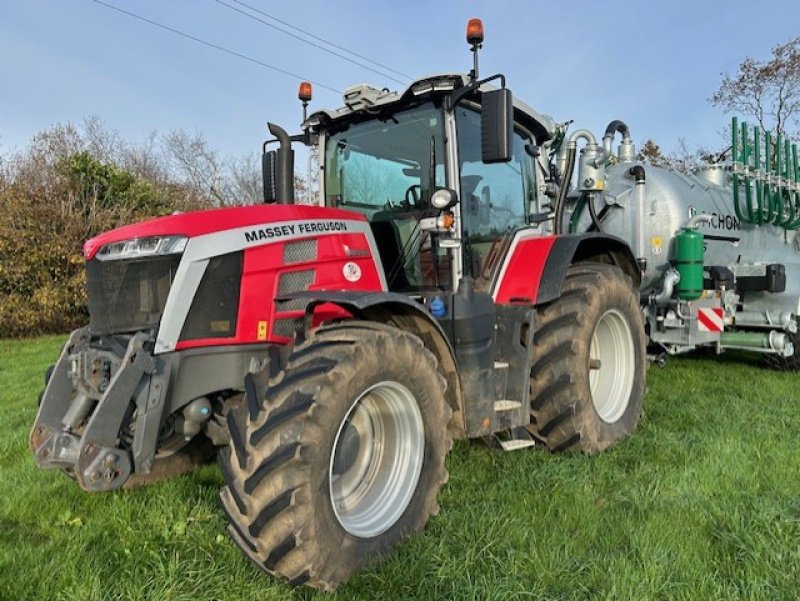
289,230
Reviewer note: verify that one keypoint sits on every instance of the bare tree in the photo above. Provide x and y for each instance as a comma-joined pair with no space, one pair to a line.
190,157
244,180
682,159
768,91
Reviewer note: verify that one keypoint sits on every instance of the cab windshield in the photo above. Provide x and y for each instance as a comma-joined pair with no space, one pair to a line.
386,169
385,164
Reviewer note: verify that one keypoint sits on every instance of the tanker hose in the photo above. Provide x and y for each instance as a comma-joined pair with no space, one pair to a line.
671,278
566,178
593,213
581,134
616,126
694,222
637,173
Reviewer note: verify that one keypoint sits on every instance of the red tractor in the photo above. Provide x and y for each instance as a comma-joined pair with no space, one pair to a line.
332,353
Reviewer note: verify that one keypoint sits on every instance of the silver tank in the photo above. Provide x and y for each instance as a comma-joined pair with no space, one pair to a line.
670,200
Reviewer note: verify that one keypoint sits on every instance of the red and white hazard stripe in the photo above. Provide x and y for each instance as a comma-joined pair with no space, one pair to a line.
710,319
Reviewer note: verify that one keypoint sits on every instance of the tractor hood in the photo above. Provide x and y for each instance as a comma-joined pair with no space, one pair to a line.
199,223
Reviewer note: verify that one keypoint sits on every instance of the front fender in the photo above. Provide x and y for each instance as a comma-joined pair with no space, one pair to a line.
406,314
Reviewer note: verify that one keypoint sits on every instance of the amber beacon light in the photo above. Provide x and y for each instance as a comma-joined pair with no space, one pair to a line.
304,93
475,32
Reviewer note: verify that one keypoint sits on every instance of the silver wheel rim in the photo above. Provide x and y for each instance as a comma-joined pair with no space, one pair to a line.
376,459
611,366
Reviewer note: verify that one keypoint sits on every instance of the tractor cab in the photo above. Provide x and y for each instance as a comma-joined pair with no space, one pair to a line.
443,184
446,172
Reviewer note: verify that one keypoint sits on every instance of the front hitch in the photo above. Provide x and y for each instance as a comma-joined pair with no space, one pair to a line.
84,406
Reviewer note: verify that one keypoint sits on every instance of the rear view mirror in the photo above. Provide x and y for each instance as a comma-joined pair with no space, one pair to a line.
497,125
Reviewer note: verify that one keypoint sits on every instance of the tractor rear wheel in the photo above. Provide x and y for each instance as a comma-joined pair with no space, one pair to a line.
341,457
589,362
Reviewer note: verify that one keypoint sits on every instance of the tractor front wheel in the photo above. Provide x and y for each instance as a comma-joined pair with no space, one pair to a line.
343,456
589,362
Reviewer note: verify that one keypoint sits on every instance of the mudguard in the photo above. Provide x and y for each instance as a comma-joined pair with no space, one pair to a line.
535,266
407,314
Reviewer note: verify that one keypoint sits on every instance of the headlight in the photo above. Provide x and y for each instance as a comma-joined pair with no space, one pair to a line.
443,198
143,247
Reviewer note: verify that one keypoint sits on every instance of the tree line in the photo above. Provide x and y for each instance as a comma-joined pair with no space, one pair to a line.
73,182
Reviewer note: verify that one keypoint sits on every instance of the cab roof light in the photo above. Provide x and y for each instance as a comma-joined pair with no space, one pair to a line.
475,32
305,92
433,85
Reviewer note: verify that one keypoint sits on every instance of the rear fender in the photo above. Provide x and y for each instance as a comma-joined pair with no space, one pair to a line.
406,314
535,267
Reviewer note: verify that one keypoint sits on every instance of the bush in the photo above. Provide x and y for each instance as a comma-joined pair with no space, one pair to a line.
53,197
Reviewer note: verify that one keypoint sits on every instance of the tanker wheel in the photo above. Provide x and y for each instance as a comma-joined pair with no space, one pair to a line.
589,362
790,363
341,457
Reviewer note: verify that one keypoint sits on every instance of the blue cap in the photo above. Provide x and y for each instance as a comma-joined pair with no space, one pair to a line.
437,307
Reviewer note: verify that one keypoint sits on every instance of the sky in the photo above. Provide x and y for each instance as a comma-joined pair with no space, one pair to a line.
652,64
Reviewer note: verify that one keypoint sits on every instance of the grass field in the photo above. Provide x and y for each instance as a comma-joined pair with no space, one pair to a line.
703,502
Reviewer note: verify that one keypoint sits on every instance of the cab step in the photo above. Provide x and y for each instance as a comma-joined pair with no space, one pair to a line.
516,444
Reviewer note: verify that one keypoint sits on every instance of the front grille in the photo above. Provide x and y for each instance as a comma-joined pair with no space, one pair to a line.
295,304
128,295
287,327
292,281
297,252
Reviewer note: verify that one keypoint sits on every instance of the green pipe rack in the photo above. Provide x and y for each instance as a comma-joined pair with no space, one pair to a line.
766,173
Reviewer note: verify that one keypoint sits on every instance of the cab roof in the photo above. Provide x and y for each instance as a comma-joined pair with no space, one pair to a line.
365,100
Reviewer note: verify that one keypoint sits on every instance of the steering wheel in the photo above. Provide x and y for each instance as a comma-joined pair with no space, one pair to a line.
412,195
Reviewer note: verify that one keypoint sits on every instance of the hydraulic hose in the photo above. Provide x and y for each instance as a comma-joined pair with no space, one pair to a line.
561,199
593,213
608,137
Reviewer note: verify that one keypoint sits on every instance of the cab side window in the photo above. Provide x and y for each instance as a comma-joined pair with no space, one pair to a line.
495,197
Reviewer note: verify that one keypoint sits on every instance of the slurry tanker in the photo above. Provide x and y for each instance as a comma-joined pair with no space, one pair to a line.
717,246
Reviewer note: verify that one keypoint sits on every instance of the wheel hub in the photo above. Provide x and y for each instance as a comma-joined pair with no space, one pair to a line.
611,365
376,459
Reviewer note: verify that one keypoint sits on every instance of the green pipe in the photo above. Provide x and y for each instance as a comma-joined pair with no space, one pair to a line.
746,163
786,195
737,209
739,339
796,178
768,169
780,173
756,168
735,154
792,177
794,196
